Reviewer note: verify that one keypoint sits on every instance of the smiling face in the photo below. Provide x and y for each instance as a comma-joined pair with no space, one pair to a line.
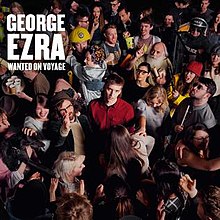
66,109
111,36
42,112
145,29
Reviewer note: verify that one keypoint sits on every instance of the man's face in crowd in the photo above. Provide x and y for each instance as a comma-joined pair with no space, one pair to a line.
168,20
112,92
199,91
204,5
111,35
80,47
142,73
145,29
66,109
115,5
124,16
84,22
157,51
4,124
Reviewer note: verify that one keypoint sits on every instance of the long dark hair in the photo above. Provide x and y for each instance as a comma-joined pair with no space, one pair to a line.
119,151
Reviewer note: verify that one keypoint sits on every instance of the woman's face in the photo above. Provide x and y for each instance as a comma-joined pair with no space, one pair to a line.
217,19
201,140
189,76
156,102
41,112
96,12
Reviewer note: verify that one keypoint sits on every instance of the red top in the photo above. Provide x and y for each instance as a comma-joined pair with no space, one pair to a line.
103,117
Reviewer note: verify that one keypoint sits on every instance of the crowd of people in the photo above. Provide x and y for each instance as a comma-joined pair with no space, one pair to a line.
129,129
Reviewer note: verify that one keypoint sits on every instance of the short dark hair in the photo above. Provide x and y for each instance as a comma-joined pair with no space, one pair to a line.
145,64
114,78
211,86
147,20
211,201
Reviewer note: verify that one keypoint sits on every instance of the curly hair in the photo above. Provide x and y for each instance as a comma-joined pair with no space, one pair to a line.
73,206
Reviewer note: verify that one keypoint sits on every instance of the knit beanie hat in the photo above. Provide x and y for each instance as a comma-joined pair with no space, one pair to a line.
195,67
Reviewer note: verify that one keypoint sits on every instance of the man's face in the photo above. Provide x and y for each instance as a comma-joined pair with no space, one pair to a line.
111,36
204,5
84,22
168,20
4,124
112,92
215,59
145,29
67,109
74,6
157,51
115,5
199,91
125,17
80,47
195,32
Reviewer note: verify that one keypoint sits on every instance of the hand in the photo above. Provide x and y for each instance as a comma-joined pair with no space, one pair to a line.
95,25
53,185
99,193
126,34
66,122
178,128
188,185
21,95
179,149
110,57
29,132
175,94
161,78
161,210
81,187
140,52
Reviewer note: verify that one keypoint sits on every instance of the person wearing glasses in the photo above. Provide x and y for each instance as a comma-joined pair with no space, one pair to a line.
196,143
69,130
195,109
135,89
182,83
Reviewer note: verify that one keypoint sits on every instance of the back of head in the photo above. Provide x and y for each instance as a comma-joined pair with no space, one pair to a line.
118,197
211,202
166,175
73,206
31,201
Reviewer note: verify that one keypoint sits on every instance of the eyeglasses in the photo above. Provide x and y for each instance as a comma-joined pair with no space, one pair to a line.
199,86
64,110
142,72
201,139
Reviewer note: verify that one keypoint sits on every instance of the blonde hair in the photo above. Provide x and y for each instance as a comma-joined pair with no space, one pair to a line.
159,93
66,162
